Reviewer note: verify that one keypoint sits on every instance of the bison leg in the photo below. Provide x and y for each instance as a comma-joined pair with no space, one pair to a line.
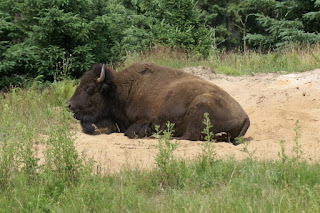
194,125
225,114
140,129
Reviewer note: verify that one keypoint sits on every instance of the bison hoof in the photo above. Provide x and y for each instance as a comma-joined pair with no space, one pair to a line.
131,134
88,128
140,131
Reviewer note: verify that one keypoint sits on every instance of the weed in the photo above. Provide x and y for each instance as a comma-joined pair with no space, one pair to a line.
297,148
65,67
60,91
240,140
165,160
209,154
206,131
282,155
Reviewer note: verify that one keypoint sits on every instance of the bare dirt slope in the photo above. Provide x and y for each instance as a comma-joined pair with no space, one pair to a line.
273,102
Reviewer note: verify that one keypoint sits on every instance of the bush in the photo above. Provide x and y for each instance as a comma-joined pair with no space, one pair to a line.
37,35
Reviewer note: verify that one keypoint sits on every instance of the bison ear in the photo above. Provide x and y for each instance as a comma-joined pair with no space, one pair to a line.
103,88
107,88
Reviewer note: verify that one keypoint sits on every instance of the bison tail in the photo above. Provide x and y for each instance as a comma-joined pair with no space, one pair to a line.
245,127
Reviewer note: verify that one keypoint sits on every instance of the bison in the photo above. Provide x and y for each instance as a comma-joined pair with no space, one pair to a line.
144,95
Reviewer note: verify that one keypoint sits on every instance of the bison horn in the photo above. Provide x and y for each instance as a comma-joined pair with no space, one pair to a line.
102,75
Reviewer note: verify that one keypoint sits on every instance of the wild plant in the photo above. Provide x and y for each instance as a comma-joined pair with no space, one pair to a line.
64,67
206,131
240,140
282,155
60,91
209,153
165,160
63,87
297,148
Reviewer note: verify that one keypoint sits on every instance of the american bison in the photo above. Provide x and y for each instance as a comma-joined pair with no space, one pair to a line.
144,95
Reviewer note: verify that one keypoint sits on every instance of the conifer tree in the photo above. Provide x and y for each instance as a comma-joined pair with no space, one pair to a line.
279,24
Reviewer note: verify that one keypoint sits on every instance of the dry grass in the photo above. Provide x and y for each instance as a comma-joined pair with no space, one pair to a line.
291,59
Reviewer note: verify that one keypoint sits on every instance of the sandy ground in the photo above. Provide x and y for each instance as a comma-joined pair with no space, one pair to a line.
273,102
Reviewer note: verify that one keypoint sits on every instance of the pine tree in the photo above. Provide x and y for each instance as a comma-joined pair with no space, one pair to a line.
311,17
227,19
279,24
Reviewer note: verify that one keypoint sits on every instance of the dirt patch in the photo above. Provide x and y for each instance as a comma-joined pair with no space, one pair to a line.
273,102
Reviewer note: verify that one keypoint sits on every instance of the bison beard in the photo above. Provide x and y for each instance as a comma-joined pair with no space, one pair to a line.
143,95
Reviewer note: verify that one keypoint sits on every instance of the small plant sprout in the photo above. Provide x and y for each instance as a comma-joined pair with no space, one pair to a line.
206,131
166,148
208,147
297,147
164,159
282,155
240,140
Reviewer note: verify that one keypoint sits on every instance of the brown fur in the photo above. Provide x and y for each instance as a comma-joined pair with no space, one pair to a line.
144,95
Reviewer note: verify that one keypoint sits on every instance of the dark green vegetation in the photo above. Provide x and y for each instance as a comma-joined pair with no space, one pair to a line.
37,35
263,24
36,121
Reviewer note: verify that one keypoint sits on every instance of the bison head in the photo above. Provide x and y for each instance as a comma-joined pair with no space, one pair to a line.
91,101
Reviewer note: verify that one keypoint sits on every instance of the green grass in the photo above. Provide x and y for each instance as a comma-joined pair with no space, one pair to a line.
291,59
226,186
66,182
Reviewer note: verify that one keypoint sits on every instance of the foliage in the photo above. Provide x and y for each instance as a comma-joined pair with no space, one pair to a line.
223,17
282,23
37,34
263,24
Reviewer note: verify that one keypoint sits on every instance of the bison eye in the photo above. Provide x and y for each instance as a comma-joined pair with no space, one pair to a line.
89,90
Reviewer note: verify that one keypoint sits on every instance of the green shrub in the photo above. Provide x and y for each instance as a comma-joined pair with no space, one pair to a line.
37,35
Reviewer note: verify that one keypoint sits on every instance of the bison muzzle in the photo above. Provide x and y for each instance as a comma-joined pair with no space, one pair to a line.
144,95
